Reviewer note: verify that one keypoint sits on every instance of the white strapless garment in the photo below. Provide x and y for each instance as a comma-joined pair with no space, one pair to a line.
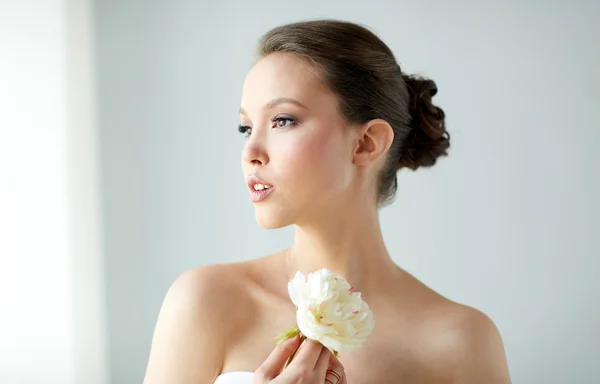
238,377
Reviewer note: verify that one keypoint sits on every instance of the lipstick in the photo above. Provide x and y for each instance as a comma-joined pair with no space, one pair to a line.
259,189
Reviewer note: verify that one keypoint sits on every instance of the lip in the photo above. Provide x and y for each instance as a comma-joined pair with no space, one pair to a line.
255,195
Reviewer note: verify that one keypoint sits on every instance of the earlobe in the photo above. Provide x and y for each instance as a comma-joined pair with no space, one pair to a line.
373,140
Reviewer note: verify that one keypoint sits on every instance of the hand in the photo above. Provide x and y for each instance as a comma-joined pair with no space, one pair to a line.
309,366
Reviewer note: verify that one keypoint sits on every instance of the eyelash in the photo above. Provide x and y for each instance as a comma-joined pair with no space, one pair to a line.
247,130
243,129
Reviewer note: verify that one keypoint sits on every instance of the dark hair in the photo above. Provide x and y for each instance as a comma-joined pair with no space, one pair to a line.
361,69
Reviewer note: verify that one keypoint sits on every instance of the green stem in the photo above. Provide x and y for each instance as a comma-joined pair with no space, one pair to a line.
286,335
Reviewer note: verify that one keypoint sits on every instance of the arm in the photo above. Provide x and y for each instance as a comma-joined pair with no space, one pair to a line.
187,345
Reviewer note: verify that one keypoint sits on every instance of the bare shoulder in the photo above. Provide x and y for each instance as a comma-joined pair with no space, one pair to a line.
193,324
207,281
213,290
464,345
449,342
217,287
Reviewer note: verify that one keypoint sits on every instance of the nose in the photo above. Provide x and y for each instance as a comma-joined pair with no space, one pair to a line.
254,153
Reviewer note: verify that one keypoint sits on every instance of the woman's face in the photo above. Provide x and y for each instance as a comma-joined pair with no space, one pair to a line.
297,142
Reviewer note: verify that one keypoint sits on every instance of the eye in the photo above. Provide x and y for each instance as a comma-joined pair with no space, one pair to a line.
244,129
283,122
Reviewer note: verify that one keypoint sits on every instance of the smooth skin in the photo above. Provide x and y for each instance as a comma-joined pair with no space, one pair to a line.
224,317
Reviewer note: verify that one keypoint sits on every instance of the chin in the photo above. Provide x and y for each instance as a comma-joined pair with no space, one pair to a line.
271,218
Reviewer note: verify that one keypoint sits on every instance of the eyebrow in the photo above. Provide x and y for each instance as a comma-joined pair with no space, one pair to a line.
279,101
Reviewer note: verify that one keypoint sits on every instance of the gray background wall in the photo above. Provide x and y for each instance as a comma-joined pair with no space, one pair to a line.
509,223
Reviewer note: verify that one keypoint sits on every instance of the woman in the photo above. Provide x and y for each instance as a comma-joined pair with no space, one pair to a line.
329,118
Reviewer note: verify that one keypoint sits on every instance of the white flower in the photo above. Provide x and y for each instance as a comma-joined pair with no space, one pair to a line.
330,311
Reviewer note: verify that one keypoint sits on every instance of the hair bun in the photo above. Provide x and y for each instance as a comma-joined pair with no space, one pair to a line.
428,138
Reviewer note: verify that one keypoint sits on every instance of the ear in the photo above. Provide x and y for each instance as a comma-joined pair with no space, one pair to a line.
373,140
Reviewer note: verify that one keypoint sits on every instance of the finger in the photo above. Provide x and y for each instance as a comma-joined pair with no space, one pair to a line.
343,380
274,363
333,377
322,364
308,354
335,371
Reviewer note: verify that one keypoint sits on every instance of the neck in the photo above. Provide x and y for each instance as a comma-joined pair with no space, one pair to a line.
351,245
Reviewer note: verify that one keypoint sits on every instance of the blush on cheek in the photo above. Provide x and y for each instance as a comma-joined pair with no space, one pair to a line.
296,163
316,163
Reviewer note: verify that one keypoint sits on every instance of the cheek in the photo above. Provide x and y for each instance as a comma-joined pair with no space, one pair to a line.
318,162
